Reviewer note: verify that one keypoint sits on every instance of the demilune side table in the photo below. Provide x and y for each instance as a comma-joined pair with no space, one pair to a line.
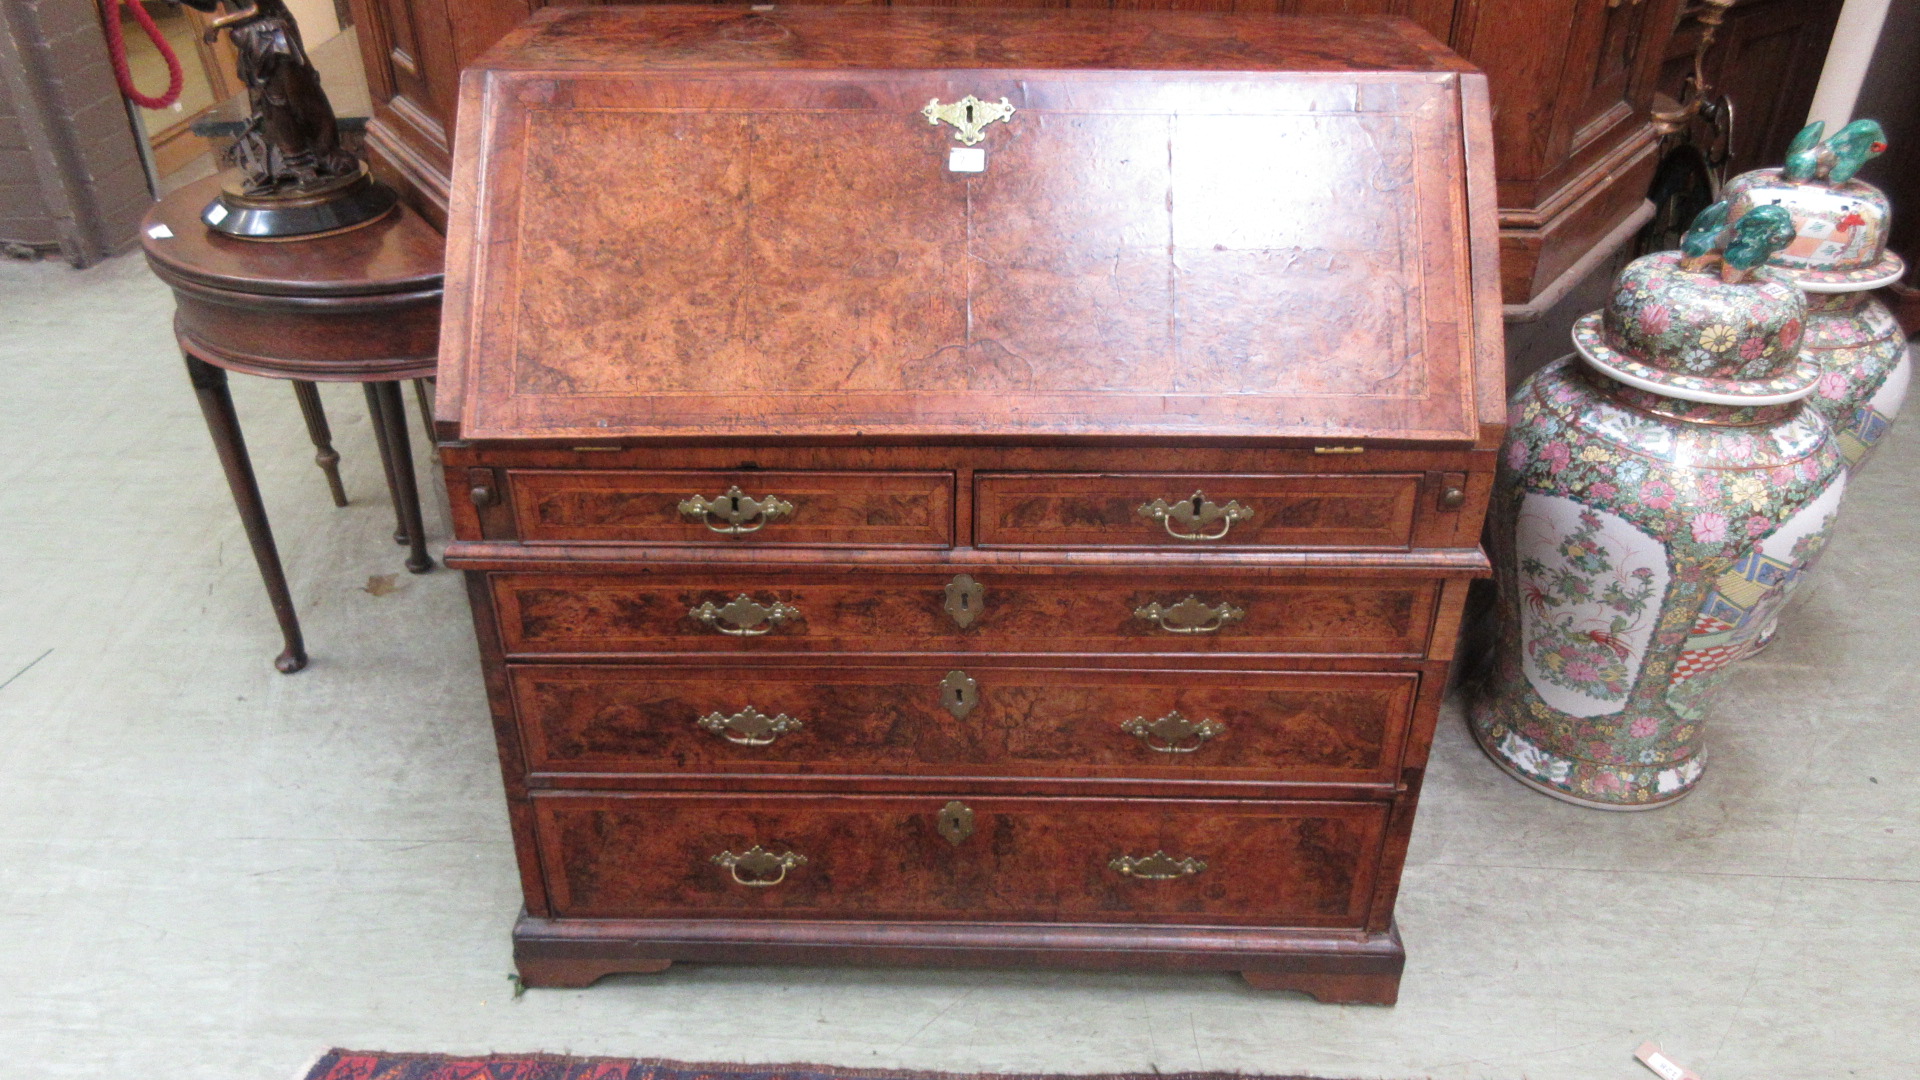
361,306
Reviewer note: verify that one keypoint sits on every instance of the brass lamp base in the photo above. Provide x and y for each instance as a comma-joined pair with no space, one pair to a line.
347,203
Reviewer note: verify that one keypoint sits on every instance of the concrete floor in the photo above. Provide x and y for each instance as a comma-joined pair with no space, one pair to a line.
208,869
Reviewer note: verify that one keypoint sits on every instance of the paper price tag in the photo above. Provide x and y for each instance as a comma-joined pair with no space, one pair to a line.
1652,1058
216,213
160,232
967,159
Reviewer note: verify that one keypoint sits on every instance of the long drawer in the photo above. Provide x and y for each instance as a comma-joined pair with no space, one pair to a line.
988,609
955,857
962,719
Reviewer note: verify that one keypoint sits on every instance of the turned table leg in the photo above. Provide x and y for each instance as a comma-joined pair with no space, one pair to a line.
425,398
385,446
216,403
392,417
324,455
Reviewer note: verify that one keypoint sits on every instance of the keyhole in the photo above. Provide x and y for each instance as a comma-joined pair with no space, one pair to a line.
965,693
1196,502
733,503
969,114
965,601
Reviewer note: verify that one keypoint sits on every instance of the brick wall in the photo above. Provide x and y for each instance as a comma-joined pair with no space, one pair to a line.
70,170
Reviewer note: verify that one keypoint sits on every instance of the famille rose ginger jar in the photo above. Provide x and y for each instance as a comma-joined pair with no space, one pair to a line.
1837,257
1657,497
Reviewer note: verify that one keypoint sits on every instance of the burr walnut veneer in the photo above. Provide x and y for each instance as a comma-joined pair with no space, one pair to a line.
1032,535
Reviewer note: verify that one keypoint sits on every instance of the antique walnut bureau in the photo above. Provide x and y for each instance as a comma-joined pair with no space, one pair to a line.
968,487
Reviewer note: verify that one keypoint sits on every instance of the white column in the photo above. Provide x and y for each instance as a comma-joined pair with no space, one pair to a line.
1847,59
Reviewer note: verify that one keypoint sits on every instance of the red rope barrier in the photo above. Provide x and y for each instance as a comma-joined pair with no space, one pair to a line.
117,51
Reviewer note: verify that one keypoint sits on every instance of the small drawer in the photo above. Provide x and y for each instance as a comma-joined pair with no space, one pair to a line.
956,718
954,857
828,509
1194,511
1011,610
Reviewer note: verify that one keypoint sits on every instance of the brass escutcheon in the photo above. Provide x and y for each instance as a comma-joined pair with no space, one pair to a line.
964,599
736,511
959,693
749,726
1158,866
1190,616
758,862
1168,734
969,114
1194,515
955,822
744,616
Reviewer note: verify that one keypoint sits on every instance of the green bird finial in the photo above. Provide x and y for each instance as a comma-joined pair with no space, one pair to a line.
1703,236
1853,146
1759,233
1837,159
1803,152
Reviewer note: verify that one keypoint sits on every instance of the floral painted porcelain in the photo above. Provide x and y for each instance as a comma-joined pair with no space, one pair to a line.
1645,529
1839,253
1840,223
1670,328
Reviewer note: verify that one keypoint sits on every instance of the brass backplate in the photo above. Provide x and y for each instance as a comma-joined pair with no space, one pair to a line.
969,114
743,616
1196,515
749,726
1190,616
959,693
964,599
1158,866
762,868
955,822
1173,733
735,513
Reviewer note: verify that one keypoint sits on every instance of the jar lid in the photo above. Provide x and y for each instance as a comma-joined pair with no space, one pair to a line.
1708,324
1840,223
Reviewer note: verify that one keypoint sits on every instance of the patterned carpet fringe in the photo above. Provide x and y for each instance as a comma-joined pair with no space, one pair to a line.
360,1065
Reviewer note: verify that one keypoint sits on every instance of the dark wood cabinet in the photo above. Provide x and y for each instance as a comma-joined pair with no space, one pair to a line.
413,51
1766,61
1572,84
1028,535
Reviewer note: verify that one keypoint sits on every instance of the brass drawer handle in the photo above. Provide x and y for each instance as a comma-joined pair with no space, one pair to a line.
749,726
1194,515
1190,616
1168,733
1158,866
736,511
744,617
763,867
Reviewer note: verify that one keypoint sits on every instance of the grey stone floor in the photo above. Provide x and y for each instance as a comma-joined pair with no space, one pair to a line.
208,869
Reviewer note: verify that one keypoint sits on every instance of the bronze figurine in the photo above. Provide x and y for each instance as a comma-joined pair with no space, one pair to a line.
294,178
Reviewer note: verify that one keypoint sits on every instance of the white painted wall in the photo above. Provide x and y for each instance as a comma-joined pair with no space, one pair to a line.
317,21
